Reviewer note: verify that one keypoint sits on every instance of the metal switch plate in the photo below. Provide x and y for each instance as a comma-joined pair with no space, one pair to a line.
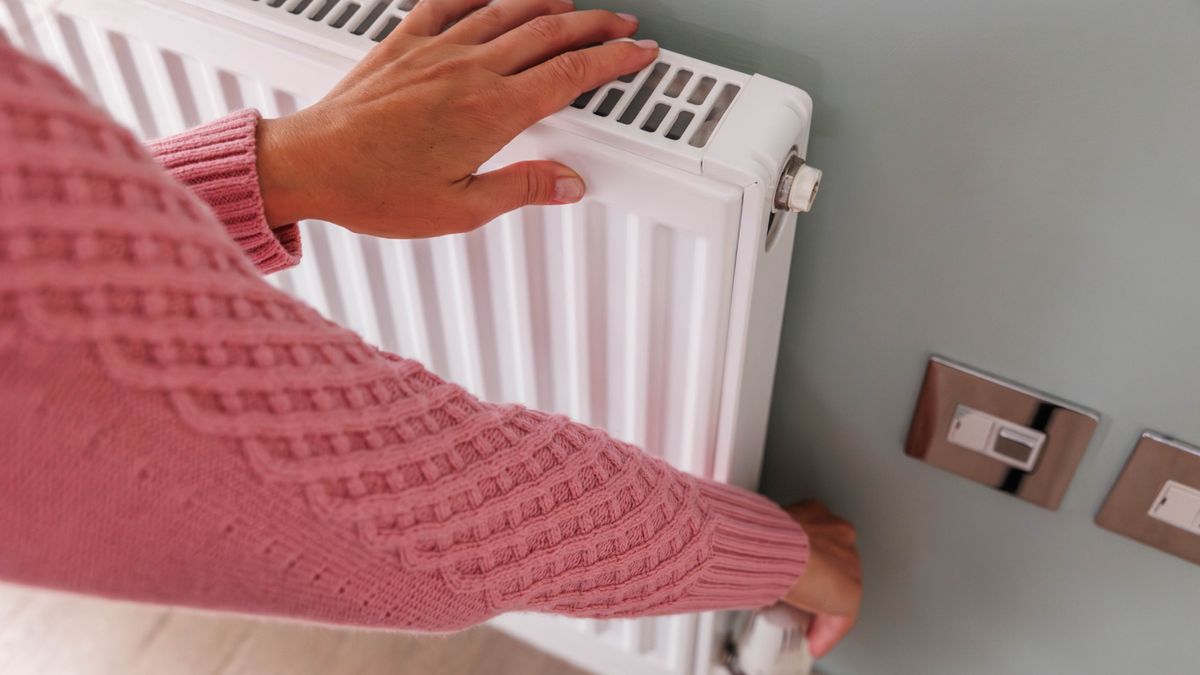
998,433
1156,499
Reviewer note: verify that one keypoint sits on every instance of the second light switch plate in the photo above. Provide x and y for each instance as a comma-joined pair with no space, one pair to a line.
1156,500
998,433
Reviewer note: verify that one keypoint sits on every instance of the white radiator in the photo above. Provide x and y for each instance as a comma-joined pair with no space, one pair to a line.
652,309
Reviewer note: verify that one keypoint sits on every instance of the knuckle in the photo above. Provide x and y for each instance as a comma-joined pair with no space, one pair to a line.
449,66
571,68
546,29
432,11
477,110
537,187
492,15
816,508
607,19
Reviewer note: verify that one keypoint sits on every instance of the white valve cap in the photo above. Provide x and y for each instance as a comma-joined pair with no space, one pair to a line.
804,189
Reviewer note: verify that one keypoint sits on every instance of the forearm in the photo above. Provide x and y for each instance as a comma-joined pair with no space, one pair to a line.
177,504
154,507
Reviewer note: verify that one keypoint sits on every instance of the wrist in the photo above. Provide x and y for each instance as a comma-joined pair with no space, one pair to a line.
281,175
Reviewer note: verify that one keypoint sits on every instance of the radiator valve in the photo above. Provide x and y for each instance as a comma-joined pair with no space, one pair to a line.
797,186
769,642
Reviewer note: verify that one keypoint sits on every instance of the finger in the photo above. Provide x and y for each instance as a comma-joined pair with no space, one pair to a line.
552,85
502,16
809,510
430,17
825,632
500,191
548,36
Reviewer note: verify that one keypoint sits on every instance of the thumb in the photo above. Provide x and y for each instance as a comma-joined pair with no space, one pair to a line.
825,632
522,184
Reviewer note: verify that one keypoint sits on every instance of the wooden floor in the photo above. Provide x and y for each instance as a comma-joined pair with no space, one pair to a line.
55,634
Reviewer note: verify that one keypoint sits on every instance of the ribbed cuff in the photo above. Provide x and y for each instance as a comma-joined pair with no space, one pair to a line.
758,551
218,162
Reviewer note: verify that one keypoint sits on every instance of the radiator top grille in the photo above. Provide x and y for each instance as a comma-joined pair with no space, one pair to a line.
374,21
675,102
653,86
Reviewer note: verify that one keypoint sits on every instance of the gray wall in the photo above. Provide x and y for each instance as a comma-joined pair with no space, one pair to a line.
1013,184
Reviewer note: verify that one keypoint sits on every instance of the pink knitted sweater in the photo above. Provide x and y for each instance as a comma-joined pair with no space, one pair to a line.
175,430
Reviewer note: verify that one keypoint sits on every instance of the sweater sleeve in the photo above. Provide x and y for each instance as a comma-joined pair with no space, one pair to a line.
178,431
217,162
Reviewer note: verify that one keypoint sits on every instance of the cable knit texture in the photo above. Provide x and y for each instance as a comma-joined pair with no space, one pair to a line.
217,162
178,431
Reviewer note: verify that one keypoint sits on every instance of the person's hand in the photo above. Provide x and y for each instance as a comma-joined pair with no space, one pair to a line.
394,148
831,587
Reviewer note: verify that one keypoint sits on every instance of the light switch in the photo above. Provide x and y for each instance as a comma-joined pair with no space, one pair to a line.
971,429
1178,505
1004,441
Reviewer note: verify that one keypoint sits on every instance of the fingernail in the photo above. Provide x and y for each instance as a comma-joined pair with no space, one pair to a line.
647,44
628,17
568,189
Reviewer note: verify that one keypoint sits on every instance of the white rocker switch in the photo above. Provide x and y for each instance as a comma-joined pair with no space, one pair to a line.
1015,445
971,429
1178,505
